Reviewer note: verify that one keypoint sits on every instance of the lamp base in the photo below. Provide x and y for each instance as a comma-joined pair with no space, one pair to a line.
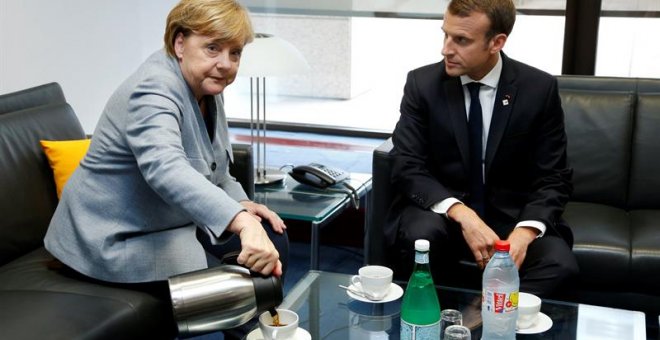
269,176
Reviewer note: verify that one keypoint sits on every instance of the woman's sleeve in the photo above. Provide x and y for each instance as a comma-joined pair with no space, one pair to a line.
154,135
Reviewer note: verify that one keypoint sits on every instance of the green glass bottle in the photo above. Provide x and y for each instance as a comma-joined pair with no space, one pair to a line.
420,309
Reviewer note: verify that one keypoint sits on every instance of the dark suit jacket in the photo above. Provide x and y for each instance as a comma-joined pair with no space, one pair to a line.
526,172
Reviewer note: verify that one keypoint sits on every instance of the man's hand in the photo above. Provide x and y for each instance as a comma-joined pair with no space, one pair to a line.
478,236
519,239
257,251
260,211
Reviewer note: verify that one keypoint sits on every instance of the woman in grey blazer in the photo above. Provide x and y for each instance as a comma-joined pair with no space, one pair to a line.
157,167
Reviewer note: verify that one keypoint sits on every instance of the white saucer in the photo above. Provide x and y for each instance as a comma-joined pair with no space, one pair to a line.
394,293
301,334
542,324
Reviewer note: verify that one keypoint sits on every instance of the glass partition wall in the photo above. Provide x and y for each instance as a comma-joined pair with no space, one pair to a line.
628,39
361,51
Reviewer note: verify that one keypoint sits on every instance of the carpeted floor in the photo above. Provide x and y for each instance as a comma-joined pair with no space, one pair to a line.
334,258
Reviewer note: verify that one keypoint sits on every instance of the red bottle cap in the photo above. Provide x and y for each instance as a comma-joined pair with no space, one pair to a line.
502,245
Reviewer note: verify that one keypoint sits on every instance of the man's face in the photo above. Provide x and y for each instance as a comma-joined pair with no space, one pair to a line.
207,64
466,49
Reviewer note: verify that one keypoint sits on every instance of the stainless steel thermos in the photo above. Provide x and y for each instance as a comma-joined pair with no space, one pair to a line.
220,298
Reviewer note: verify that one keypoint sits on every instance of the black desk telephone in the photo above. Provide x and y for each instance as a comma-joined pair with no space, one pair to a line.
317,175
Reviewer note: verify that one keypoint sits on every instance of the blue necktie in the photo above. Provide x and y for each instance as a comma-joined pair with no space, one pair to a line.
475,129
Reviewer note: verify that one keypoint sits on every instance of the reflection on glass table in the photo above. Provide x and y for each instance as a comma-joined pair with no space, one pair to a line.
296,201
327,312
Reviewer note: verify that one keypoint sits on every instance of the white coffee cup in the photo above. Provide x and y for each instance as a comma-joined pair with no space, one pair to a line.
529,307
289,320
375,280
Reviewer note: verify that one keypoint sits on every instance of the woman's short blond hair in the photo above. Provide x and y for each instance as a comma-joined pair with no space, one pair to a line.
225,19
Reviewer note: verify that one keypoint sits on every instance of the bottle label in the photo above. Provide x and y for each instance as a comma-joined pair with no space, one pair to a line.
418,332
422,257
498,303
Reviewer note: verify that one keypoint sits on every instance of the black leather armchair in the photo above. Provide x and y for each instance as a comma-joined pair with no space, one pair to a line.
613,127
36,302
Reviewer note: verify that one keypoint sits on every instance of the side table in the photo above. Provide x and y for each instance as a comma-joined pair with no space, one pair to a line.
293,200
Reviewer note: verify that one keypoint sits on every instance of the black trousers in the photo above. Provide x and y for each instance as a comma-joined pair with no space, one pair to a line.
233,245
548,265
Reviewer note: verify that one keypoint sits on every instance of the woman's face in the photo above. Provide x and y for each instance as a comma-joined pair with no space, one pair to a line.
207,64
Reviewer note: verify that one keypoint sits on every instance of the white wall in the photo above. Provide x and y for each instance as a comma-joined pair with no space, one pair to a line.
89,47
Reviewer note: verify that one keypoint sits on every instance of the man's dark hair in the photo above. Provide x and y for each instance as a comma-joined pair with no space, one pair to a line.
502,13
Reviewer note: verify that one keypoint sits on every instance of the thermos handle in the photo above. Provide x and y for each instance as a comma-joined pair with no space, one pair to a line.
270,287
231,258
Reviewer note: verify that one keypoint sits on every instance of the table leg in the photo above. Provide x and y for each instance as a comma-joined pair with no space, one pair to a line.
315,311
366,203
316,229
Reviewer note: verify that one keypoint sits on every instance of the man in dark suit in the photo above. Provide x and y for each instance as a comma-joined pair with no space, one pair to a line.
480,155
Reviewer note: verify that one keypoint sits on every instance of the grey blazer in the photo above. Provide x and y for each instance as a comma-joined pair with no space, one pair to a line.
152,175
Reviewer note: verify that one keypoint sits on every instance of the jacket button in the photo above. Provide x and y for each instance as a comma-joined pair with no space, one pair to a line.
213,166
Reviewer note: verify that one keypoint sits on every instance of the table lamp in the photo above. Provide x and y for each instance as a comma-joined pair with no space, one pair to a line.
266,56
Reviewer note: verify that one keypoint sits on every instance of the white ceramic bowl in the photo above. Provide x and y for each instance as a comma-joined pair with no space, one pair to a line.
529,306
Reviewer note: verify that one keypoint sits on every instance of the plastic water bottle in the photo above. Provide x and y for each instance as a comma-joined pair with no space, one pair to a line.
499,306
420,309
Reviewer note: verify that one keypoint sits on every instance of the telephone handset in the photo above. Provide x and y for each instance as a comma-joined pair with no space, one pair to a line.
318,175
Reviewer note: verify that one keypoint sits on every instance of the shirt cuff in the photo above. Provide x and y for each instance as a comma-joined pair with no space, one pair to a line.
540,226
444,205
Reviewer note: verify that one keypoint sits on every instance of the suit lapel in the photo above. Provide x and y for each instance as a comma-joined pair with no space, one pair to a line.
456,103
222,135
505,100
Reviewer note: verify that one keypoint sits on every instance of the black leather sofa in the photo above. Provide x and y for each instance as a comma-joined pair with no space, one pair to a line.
613,127
35,301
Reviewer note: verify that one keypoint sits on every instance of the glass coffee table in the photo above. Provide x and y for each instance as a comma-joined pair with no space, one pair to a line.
327,312
293,200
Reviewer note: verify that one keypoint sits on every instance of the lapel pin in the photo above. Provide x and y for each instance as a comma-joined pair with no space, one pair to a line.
505,102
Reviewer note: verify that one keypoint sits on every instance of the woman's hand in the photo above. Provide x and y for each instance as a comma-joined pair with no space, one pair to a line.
257,251
260,211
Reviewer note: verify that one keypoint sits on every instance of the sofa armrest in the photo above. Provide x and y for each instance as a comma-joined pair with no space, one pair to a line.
382,195
243,167
46,94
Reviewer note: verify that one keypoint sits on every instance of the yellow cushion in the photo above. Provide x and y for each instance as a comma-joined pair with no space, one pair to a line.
64,157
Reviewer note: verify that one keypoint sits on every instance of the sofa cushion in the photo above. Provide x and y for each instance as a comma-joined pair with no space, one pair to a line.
52,315
29,198
599,128
601,244
645,241
645,163
64,157
58,306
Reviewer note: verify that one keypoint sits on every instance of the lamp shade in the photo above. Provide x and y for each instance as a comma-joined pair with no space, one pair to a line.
270,56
